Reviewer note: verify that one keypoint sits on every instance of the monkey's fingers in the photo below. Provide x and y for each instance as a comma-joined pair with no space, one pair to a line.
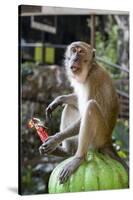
41,150
48,150
61,172
64,175
42,147
51,141
48,112
47,144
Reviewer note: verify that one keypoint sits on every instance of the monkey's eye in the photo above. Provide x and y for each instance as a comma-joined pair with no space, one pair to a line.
81,51
73,50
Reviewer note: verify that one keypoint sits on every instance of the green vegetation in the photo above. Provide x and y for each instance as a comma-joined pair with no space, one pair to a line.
107,49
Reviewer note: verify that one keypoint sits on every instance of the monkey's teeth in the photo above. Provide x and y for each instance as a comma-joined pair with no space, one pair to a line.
75,68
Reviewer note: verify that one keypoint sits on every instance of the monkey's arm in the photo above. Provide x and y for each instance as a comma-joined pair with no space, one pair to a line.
59,151
53,141
70,99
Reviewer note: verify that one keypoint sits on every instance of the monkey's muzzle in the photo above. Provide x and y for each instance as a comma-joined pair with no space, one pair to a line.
75,67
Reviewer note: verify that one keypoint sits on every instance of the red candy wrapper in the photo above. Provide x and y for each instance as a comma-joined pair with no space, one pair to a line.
40,128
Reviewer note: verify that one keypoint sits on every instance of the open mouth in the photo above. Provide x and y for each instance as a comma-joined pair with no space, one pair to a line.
75,67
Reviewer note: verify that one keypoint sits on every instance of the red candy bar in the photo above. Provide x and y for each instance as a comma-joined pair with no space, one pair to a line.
42,133
36,123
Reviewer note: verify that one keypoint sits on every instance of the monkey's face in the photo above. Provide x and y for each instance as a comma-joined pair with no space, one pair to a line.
78,59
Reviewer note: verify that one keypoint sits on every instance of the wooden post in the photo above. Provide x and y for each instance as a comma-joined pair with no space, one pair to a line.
93,30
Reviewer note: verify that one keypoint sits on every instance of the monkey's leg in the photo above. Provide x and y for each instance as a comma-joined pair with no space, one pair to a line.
93,133
69,115
69,146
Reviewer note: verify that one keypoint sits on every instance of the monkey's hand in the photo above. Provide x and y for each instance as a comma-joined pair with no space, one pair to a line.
49,145
52,106
69,168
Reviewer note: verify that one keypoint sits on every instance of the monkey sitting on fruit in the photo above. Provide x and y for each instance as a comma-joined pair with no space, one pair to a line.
90,113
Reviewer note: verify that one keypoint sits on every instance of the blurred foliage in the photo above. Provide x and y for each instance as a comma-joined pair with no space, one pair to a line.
107,49
121,136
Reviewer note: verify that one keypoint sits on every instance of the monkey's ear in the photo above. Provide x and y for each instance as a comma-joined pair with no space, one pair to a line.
94,53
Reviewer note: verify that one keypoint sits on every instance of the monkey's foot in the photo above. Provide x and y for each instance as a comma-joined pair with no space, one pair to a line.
69,168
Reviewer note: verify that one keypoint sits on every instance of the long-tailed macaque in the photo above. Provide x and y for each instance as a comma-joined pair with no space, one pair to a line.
90,112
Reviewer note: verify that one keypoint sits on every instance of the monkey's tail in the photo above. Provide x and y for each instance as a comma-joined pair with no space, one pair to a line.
113,154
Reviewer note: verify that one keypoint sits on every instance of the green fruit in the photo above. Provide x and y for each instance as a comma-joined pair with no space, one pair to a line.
97,172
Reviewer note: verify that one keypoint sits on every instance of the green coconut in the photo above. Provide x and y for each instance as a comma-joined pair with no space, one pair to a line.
97,172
